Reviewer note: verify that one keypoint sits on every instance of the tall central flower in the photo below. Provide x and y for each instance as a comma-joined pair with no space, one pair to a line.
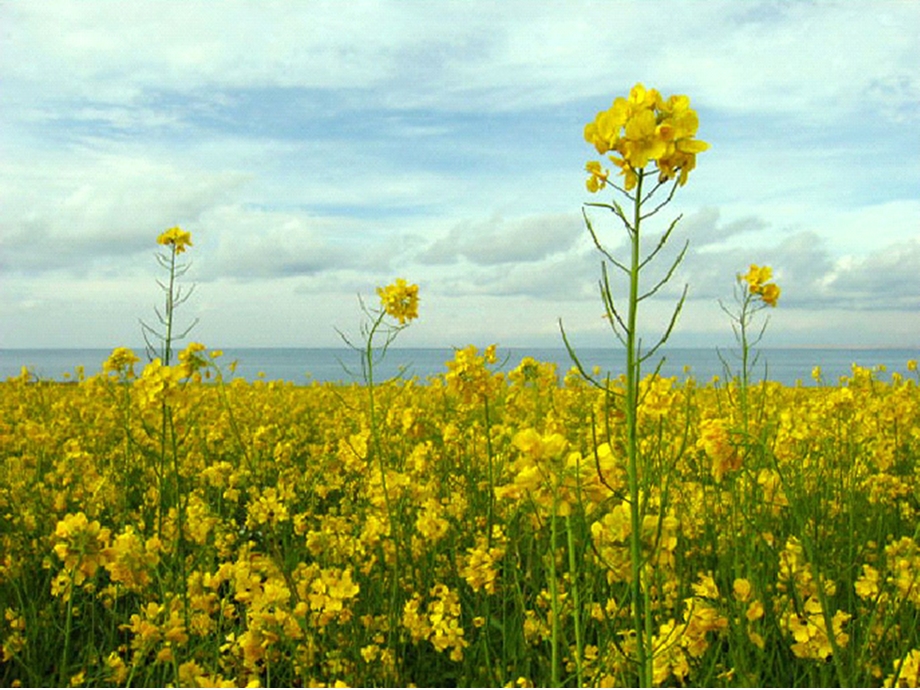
400,300
644,128
177,237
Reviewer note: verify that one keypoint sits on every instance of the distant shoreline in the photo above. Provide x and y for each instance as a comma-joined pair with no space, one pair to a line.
333,364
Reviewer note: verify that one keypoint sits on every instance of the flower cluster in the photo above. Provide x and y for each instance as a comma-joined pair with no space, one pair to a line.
906,673
480,566
807,622
542,471
440,623
469,377
678,644
716,442
131,559
756,279
121,361
15,639
81,545
399,300
157,628
642,128
191,358
158,382
328,594
810,633
177,238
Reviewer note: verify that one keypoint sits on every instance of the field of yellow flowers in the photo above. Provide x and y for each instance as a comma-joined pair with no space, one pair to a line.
173,526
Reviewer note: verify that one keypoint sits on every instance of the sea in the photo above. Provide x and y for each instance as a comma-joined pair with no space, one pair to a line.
789,366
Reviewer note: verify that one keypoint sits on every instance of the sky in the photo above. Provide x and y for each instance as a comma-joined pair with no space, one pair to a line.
317,150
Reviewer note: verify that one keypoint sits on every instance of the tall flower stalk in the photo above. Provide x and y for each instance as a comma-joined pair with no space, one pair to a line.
176,240
398,308
160,380
753,293
651,140
399,302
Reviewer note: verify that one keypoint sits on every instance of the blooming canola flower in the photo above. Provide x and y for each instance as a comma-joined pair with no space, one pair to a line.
177,238
756,279
400,300
645,128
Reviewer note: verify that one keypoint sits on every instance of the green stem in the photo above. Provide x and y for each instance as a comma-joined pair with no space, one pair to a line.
170,304
573,570
489,452
640,612
167,353
68,626
745,354
554,596
180,521
378,453
372,413
164,411
231,417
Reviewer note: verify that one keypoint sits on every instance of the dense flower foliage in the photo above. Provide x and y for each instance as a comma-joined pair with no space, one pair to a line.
179,528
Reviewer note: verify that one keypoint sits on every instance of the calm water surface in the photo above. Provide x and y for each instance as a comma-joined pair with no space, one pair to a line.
302,365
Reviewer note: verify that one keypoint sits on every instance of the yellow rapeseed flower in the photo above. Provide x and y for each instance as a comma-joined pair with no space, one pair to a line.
716,442
598,179
158,382
117,669
177,238
468,376
191,358
756,279
742,589
757,276
770,294
400,300
80,544
866,585
122,359
907,671
15,641
706,587
643,128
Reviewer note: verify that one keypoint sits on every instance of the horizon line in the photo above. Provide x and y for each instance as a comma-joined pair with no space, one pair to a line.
454,347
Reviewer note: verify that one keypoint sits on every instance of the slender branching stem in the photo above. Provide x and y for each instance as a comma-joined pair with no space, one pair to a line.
633,365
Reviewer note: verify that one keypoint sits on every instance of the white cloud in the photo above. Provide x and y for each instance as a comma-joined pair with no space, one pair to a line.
442,142
454,53
498,241
882,280
254,244
80,211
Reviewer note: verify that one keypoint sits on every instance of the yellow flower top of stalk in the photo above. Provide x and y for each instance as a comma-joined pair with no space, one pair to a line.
756,278
469,377
642,128
121,359
178,238
400,300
